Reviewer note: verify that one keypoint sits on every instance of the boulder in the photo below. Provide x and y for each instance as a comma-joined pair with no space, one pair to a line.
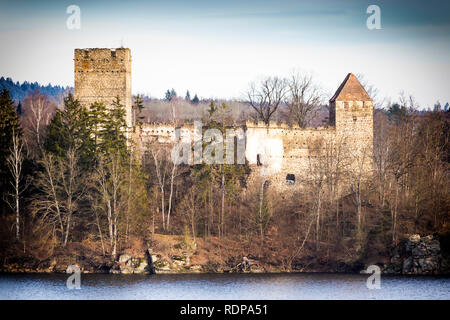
141,267
123,258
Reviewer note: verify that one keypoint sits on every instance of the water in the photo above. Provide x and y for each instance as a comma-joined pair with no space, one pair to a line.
222,286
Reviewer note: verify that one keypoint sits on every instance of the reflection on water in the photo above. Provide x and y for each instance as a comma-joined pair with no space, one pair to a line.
222,286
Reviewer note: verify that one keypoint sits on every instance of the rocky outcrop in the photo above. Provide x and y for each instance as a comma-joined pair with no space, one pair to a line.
127,264
417,256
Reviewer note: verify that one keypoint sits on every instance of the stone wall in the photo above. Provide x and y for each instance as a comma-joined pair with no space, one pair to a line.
103,74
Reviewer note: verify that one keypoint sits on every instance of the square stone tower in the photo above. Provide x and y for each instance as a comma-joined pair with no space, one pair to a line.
101,75
351,112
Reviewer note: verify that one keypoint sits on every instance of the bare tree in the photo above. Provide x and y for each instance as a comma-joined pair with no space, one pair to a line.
266,96
62,188
357,175
303,98
15,161
73,186
109,178
37,115
318,168
165,170
189,209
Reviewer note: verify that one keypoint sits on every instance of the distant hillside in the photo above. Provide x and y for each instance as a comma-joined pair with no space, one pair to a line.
20,91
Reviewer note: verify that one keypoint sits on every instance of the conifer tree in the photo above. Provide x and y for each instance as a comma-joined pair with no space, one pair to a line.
9,126
70,129
138,106
115,126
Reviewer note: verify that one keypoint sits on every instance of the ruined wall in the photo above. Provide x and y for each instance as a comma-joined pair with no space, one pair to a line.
282,150
103,74
278,150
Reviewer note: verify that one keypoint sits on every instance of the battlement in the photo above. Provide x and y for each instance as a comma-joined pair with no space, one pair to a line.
103,60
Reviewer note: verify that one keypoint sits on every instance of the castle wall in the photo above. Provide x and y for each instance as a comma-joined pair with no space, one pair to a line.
282,151
103,74
276,151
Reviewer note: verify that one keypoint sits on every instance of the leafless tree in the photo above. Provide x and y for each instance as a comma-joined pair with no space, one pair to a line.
62,188
15,161
266,96
110,175
37,116
357,175
303,99
189,209
164,169
318,169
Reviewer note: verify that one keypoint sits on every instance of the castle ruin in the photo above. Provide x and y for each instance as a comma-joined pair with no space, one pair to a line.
280,152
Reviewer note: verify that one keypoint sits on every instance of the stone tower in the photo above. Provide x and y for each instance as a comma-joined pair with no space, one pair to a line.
102,75
351,112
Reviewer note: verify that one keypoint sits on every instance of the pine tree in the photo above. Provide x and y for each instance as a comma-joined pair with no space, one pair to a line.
138,106
19,109
70,129
115,126
173,94
195,100
168,95
188,96
98,117
9,126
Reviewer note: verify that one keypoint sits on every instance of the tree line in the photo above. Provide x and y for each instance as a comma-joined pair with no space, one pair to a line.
76,177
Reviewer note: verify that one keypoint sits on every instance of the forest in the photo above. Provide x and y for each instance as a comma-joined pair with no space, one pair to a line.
71,183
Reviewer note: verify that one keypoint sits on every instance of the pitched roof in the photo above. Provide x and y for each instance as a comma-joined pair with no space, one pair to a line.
351,90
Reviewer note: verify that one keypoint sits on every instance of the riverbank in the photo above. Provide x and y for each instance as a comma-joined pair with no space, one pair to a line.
177,255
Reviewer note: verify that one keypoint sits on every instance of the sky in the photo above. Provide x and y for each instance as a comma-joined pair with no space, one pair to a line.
216,48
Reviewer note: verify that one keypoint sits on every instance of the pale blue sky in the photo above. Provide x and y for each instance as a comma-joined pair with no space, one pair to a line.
216,48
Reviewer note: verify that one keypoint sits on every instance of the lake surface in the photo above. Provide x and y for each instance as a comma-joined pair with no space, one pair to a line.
222,286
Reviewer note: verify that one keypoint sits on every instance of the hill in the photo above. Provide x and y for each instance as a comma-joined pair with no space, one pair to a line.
20,91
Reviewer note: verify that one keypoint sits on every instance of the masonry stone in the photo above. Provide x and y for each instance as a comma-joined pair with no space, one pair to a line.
101,75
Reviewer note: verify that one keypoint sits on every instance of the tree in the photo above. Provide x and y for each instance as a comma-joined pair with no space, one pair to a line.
62,187
303,98
266,96
109,177
37,115
397,113
170,94
113,136
9,127
19,108
98,117
15,161
167,96
173,94
138,106
188,96
165,170
195,100
70,129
